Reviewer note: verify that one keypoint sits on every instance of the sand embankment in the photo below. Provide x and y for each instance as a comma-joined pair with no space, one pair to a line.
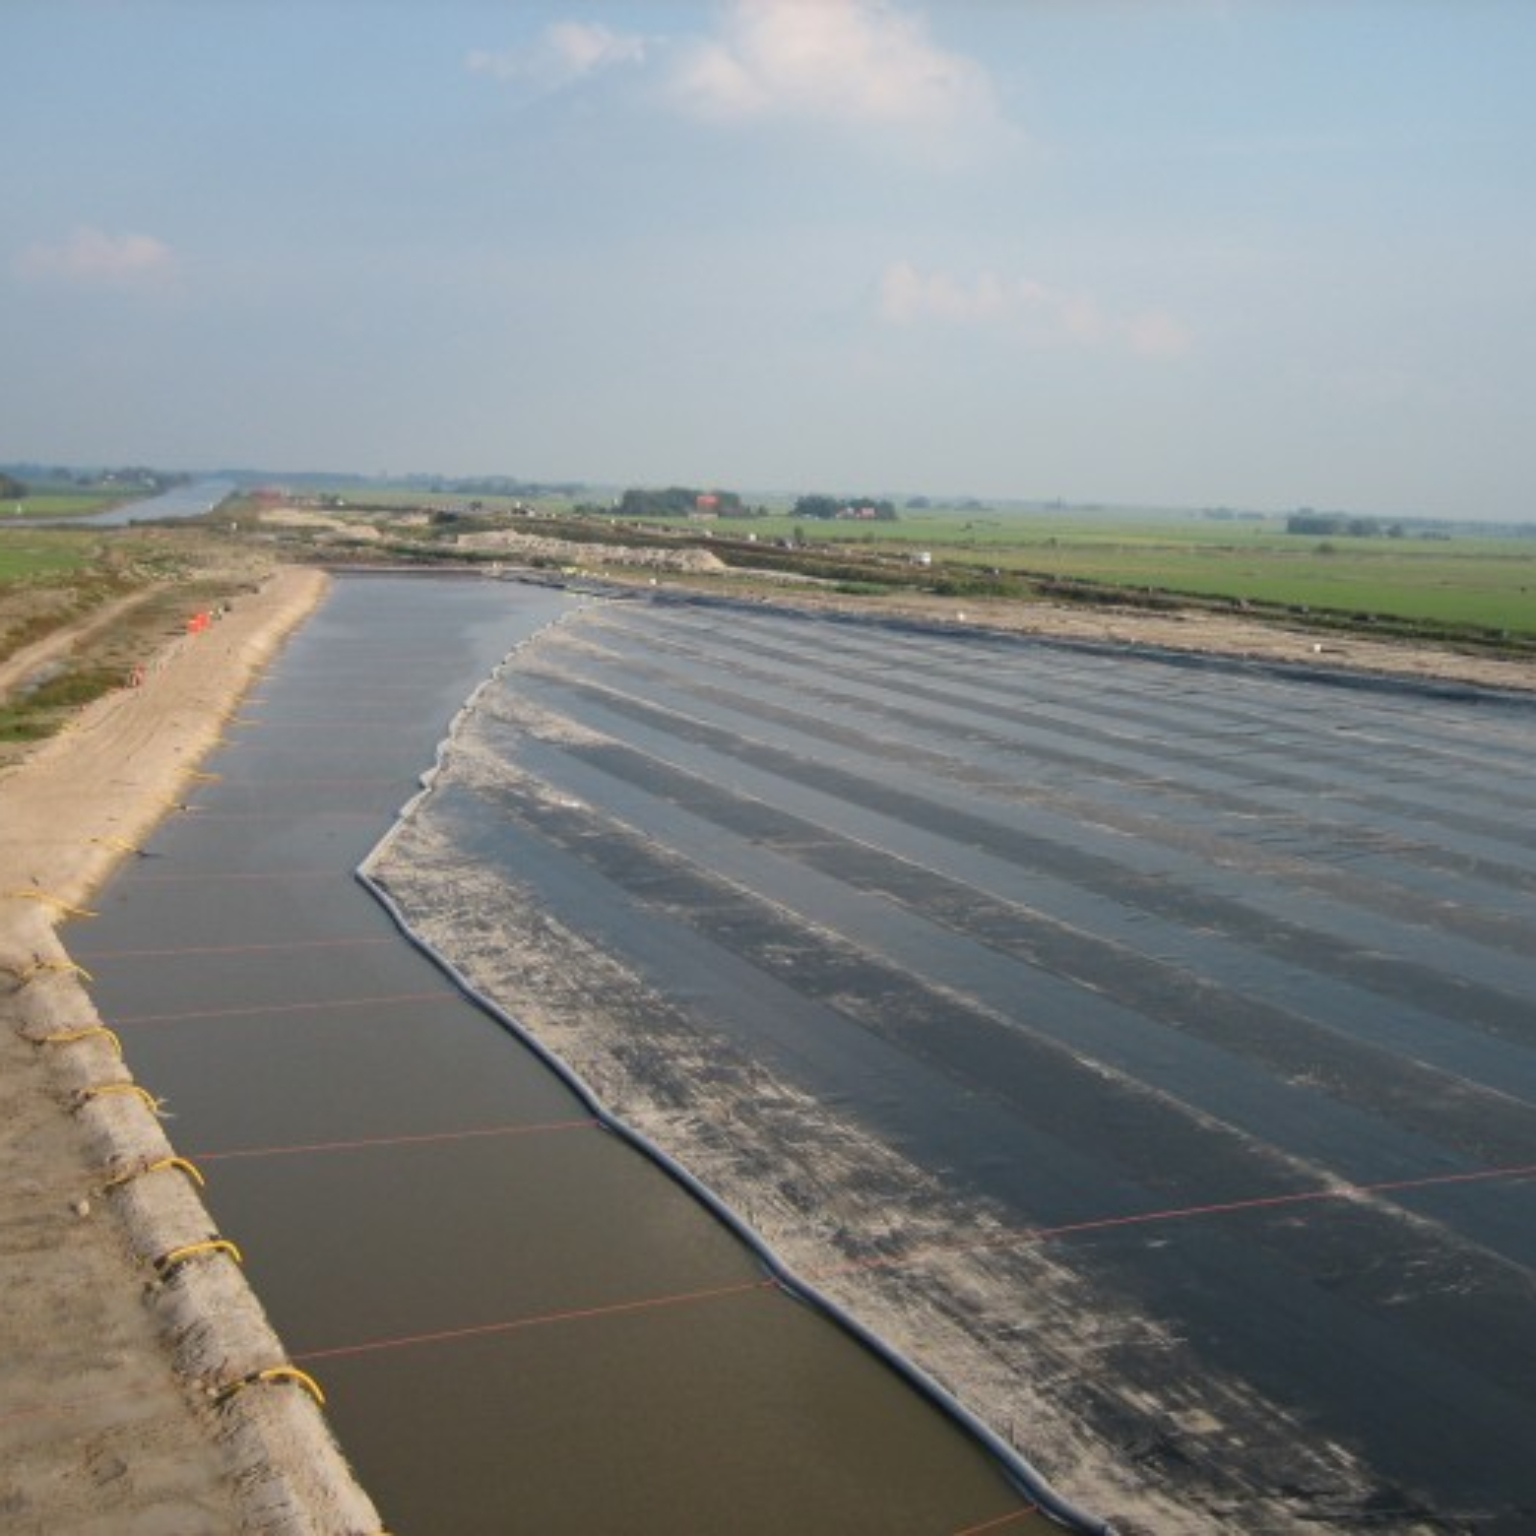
1195,631
122,1407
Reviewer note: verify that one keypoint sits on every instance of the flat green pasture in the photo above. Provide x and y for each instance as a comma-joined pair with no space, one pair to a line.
397,499
1479,580
28,553
59,504
1490,583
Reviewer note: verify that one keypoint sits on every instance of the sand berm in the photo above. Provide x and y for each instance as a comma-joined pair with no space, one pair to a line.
132,1394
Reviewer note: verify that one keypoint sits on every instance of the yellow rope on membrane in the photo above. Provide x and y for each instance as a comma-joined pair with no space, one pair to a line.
31,893
65,967
35,967
273,1373
168,1261
204,778
121,844
101,1089
69,1036
188,1167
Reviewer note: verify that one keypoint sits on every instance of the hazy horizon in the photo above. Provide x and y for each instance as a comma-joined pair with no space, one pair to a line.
1181,253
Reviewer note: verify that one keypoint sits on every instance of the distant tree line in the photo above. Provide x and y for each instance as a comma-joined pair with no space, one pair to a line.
12,489
54,477
679,501
828,507
961,504
1330,524
492,485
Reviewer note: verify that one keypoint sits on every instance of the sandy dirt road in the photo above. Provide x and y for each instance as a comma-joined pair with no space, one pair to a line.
17,668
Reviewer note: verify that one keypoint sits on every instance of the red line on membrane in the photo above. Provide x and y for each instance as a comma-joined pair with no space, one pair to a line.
233,949
1039,1234
641,1305
361,1143
385,1000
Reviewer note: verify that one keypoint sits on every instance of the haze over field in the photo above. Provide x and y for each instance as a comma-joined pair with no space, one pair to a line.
1177,252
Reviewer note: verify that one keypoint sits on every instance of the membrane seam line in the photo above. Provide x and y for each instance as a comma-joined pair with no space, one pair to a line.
1513,1171
426,1137
1000,1521
544,1319
1035,1234
1340,1192
283,1008
370,724
234,949
209,876
332,782
287,815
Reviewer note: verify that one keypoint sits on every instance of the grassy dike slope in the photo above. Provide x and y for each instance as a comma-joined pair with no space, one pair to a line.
115,1413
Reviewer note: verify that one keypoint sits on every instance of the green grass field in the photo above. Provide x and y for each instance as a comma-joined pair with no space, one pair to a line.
30,553
1488,582
52,578
59,504
1473,581
351,498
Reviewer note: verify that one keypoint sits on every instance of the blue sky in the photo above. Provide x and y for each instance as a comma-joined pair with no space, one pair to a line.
1259,253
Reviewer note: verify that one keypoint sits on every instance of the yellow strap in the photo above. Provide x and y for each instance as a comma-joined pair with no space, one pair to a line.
85,1032
121,844
189,1168
102,1089
274,1373
168,1261
32,894
37,967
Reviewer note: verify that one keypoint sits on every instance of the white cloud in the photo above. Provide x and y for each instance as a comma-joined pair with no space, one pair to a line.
567,51
1156,333
92,258
1034,312
859,62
